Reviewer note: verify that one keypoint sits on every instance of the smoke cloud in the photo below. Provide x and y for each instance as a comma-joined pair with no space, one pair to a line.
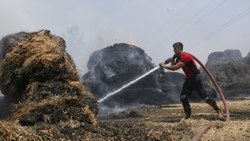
80,46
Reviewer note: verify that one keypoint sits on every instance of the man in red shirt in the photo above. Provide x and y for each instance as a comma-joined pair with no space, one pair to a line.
193,81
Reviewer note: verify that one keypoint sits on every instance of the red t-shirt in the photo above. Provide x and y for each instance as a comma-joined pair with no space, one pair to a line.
190,69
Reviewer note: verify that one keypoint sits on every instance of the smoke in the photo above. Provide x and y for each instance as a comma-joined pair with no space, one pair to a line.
14,18
108,72
132,39
81,46
138,59
105,112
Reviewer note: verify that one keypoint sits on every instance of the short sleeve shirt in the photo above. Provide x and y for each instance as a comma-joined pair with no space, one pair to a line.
190,69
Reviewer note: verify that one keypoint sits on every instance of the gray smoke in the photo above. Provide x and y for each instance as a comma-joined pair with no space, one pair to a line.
80,47
106,112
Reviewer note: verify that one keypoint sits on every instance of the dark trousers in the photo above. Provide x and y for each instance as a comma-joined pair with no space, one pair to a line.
195,84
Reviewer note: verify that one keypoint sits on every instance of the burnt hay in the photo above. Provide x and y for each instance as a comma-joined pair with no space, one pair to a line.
36,67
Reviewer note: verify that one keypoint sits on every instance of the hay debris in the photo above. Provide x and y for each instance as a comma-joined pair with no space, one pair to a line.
13,132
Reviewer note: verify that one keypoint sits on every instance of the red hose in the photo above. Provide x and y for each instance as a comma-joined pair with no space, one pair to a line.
207,127
203,131
217,88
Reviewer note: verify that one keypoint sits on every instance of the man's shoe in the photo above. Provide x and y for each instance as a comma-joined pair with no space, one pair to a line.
220,115
187,116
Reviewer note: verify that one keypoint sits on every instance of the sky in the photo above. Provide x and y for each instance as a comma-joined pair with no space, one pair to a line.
203,26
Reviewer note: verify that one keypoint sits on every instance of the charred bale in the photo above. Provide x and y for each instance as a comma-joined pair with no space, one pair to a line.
114,66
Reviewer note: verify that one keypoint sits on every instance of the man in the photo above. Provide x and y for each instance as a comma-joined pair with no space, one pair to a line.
193,81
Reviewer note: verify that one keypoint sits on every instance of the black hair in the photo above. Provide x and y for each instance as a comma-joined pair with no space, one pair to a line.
178,45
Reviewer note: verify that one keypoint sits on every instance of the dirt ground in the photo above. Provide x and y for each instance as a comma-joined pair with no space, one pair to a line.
165,123
141,123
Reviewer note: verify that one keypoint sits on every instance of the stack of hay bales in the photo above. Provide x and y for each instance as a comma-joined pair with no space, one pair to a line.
35,68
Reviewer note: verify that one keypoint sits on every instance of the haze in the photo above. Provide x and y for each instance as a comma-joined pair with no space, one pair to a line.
204,26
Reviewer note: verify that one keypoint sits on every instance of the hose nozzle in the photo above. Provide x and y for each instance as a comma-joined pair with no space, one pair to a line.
171,59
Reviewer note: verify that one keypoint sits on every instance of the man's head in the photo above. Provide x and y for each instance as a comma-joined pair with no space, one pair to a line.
178,48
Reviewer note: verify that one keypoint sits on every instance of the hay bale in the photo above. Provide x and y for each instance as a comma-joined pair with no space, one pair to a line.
36,65
40,57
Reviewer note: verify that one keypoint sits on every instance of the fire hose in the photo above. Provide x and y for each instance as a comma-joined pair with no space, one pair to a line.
208,126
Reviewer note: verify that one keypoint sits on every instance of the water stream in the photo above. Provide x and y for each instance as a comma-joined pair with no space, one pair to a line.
128,84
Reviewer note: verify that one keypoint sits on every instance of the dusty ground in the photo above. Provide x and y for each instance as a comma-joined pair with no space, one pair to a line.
141,123
165,123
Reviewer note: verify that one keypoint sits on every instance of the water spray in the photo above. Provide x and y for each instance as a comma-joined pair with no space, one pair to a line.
130,83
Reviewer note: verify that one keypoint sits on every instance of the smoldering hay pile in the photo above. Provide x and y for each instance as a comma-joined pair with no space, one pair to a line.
35,67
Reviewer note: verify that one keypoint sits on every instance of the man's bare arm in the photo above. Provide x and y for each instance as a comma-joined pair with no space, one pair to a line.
174,67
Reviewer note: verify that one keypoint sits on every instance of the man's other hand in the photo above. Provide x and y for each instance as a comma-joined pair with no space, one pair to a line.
162,65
